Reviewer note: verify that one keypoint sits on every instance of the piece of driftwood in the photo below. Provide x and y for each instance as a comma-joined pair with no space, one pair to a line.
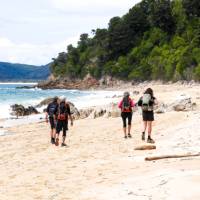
171,156
145,147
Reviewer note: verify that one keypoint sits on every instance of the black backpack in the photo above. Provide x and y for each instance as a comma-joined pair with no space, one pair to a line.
52,109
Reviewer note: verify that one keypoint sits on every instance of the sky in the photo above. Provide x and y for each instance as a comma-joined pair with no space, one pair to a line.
35,31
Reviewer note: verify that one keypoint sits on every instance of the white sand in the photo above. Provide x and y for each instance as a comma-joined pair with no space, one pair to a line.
99,164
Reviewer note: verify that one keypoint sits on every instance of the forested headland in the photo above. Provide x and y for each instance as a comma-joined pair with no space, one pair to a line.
155,40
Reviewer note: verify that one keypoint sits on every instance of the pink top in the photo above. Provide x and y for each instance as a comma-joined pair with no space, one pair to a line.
121,102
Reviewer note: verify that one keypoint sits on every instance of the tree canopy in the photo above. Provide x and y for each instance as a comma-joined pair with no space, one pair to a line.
156,39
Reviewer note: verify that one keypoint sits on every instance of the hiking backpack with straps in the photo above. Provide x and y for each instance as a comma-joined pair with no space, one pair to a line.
146,99
62,112
126,105
52,109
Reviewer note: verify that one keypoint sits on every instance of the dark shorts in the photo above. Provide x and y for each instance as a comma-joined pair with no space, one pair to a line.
52,123
125,116
62,126
148,116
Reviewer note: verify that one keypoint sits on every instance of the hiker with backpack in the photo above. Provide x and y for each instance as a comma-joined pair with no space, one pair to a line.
63,114
147,102
51,117
126,105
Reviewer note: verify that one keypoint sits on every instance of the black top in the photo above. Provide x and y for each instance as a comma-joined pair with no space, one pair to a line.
63,108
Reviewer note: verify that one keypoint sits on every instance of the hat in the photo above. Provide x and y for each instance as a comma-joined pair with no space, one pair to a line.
55,98
126,94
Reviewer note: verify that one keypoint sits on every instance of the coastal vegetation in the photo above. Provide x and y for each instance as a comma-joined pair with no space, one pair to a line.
155,40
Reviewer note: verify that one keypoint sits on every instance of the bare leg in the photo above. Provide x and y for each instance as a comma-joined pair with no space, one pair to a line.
64,139
52,133
129,128
145,126
57,139
124,129
150,140
149,128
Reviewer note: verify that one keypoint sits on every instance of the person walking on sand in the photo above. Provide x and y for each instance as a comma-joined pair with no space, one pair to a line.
147,102
126,105
51,117
63,114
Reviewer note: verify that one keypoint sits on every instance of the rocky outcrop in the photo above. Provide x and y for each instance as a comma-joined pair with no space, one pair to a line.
20,110
65,83
160,108
184,104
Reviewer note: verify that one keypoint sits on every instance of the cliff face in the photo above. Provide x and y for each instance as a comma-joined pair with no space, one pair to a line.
88,82
64,83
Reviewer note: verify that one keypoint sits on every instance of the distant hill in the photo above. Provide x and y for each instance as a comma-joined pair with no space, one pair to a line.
22,72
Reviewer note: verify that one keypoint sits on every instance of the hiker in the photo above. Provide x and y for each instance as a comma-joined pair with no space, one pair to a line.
126,105
51,117
147,102
63,114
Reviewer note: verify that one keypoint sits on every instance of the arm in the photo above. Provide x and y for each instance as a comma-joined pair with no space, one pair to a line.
70,116
155,101
139,103
132,103
120,105
46,114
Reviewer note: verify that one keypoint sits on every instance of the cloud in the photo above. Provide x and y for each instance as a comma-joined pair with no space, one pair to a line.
33,32
96,7
31,53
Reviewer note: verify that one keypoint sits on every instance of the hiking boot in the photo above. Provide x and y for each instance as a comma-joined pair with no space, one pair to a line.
129,135
150,140
57,142
143,136
52,140
63,145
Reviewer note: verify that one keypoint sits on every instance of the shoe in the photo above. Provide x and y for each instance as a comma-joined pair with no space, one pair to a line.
125,137
143,136
63,145
150,140
57,142
129,135
52,140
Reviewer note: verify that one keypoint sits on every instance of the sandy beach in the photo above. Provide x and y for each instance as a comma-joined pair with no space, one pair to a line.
99,164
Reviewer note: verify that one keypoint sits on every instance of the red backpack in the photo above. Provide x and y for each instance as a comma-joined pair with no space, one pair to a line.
126,105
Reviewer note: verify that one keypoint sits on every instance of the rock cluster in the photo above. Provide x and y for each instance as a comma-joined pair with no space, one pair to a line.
20,110
65,83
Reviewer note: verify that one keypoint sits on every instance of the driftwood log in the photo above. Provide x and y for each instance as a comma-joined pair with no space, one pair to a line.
145,147
171,156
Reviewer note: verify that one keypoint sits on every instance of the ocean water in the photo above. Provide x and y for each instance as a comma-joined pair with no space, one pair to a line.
9,94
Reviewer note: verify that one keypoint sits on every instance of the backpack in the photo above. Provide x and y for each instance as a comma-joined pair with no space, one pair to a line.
145,103
62,115
126,105
52,109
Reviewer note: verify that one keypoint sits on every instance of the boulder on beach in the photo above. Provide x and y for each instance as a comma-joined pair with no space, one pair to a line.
99,112
160,108
184,104
20,110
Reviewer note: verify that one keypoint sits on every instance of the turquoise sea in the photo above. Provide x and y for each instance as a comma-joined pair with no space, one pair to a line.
9,94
